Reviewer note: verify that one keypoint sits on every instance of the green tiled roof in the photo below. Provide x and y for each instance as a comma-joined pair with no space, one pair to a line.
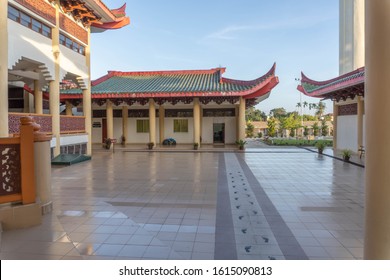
310,87
177,82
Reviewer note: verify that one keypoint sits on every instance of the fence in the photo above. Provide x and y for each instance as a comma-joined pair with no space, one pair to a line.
68,124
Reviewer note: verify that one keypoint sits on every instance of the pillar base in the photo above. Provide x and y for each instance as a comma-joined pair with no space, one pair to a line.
20,216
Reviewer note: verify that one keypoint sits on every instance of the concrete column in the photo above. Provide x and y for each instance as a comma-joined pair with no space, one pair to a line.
161,123
110,119
351,35
54,86
42,163
152,121
38,99
68,108
4,69
125,119
335,116
241,119
55,112
87,100
360,112
377,158
196,121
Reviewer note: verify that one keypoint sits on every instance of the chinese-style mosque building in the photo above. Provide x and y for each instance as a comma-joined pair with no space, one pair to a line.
346,90
190,106
361,101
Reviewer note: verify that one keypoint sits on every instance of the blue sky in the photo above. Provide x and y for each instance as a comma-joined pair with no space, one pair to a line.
245,36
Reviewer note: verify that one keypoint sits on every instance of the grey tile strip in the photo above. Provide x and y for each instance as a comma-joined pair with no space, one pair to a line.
225,241
287,242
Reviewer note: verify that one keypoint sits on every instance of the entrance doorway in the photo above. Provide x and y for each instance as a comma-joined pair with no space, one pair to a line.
219,133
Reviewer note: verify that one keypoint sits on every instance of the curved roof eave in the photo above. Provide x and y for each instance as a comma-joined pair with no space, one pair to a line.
327,87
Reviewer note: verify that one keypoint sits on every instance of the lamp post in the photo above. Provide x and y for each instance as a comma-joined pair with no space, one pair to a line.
300,102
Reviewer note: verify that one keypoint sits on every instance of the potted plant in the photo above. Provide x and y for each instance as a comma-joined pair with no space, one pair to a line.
123,140
196,146
346,154
241,144
150,145
320,145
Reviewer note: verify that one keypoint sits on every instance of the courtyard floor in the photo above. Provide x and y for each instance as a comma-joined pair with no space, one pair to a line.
266,203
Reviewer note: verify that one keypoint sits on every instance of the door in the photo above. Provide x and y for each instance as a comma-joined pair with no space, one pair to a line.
219,133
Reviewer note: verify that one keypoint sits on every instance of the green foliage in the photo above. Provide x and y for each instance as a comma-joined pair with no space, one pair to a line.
305,131
241,143
271,123
346,153
255,115
299,142
250,128
260,134
278,112
316,129
324,128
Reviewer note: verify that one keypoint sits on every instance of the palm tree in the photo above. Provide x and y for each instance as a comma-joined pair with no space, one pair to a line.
320,109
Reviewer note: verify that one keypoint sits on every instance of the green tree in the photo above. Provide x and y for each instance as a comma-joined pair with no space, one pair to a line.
320,109
271,123
278,113
316,129
305,131
324,128
255,115
250,128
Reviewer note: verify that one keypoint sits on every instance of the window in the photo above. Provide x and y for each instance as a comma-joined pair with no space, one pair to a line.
62,39
25,20
29,22
36,26
142,126
71,44
180,125
68,42
13,13
46,31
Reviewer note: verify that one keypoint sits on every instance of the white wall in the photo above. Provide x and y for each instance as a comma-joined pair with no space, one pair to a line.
180,137
23,41
73,62
347,132
97,131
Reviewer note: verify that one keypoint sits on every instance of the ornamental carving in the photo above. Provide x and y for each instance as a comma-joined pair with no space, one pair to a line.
14,122
72,124
41,8
10,169
73,29
348,110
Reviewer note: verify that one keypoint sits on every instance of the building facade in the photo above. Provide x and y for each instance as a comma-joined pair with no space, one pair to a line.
189,106
347,90
45,42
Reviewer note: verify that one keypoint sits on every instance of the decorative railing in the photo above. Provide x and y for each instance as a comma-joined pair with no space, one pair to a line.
68,124
72,124
43,120
17,175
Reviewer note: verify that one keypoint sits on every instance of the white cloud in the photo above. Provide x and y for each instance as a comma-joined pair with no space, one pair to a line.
232,32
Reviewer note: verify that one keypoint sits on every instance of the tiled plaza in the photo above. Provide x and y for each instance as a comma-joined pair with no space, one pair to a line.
267,203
